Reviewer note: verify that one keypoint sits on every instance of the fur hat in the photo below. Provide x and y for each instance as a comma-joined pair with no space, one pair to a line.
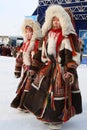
37,34
64,18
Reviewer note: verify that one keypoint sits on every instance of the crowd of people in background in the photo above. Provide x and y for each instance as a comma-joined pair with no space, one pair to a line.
8,50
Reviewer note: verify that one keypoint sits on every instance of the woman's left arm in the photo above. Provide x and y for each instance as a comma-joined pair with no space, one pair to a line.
72,59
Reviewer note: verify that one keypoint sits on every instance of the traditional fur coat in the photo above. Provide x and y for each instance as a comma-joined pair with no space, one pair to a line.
51,97
24,59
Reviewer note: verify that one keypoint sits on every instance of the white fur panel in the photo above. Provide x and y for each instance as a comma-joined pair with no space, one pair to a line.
77,58
26,58
44,57
31,45
52,40
66,44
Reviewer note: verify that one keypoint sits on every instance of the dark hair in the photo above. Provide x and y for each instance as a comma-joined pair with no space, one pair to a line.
27,26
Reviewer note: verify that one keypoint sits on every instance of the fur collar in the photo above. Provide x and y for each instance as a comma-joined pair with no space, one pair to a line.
64,18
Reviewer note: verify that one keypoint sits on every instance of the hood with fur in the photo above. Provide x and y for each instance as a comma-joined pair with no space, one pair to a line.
37,34
64,18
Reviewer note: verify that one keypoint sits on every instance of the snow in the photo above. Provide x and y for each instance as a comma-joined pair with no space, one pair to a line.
12,119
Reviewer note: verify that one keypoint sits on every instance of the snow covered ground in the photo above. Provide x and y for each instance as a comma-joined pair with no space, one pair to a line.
12,119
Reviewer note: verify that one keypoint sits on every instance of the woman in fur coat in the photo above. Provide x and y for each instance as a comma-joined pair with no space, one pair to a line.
32,34
55,88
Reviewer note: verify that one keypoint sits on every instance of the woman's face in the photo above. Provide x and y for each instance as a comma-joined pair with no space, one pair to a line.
28,33
55,23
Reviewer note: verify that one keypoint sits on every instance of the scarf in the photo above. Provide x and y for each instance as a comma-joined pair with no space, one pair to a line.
60,37
25,46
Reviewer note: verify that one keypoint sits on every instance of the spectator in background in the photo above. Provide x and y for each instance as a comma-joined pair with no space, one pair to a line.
0,50
5,50
8,50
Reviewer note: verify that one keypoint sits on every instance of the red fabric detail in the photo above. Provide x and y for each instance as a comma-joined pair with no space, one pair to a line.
60,37
36,45
25,46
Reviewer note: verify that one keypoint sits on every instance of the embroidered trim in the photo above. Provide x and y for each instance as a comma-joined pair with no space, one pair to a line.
76,91
60,98
37,87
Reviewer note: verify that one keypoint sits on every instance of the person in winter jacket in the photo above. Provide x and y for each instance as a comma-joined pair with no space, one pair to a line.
32,35
57,96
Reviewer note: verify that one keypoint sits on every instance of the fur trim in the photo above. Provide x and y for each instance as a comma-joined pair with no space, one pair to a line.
26,58
26,55
37,34
64,18
52,44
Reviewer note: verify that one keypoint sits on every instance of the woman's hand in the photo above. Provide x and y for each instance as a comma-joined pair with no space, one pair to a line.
17,74
30,73
69,76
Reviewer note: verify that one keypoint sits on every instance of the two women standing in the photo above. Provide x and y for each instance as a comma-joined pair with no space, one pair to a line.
54,95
